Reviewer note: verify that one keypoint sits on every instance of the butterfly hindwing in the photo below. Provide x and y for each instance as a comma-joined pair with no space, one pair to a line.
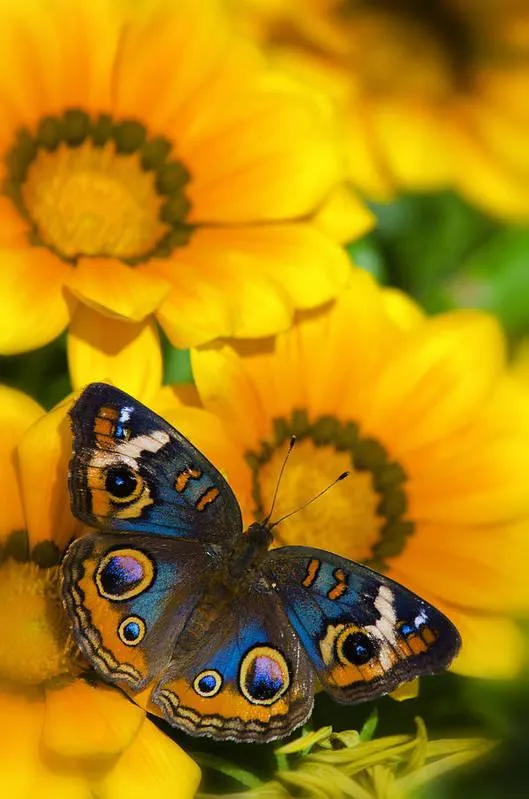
132,471
128,598
364,633
239,673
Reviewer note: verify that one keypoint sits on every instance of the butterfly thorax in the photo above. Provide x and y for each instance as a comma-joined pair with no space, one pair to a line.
250,550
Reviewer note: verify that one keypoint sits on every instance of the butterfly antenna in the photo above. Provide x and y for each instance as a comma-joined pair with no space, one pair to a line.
342,476
287,456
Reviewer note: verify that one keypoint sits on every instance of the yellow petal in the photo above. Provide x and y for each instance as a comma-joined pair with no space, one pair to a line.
13,227
275,155
343,216
504,137
33,309
117,290
21,721
482,567
170,398
493,646
60,61
43,454
245,282
52,783
402,309
192,36
227,390
408,690
407,133
128,353
357,327
153,766
17,413
487,182
86,721
469,482
367,168
437,380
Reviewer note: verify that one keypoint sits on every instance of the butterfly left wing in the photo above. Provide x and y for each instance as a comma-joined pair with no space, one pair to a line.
364,633
239,672
131,470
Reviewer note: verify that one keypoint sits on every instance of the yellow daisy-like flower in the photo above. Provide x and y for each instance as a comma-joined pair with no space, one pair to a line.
432,93
435,435
63,736
154,165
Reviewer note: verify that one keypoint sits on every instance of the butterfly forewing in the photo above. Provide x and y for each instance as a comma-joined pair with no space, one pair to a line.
132,471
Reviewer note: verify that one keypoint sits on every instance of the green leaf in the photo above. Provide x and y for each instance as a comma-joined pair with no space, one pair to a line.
177,366
242,776
370,725
425,238
367,253
495,278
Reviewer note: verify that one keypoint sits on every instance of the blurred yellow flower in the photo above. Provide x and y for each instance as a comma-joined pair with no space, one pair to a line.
433,430
432,93
152,164
63,735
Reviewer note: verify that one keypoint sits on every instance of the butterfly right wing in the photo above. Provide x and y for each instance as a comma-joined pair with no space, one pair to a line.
132,471
364,633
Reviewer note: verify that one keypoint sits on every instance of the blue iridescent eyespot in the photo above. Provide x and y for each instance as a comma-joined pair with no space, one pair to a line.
123,574
264,675
357,648
354,647
132,630
407,629
208,683
121,482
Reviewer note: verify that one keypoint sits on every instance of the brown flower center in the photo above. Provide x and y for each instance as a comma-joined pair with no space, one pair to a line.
362,518
98,188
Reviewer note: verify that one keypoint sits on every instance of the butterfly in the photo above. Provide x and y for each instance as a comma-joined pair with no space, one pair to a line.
168,598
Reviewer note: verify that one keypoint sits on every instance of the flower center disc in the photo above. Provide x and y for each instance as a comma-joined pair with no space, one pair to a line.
345,521
93,201
34,629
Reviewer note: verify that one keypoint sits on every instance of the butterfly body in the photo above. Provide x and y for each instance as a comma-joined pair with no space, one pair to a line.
170,598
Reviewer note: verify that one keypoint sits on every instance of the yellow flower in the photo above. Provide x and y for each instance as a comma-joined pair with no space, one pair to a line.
153,166
433,429
62,735
432,93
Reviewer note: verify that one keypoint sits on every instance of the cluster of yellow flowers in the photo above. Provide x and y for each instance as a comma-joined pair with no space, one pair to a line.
192,166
